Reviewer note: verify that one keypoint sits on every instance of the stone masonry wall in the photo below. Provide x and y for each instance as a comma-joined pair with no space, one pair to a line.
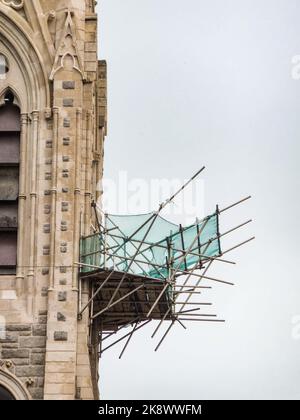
23,348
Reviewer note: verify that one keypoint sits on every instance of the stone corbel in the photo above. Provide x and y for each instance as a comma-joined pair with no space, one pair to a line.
7,366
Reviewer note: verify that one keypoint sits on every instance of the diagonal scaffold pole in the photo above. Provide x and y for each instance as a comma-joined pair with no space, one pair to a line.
199,232
172,324
125,336
132,321
169,282
164,204
190,293
217,237
152,220
239,245
96,293
161,322
133,244
129,338
165,335
118,301
198,282
158,245
201,276
176,314
152,264
219,212
202,320
235,204
126,252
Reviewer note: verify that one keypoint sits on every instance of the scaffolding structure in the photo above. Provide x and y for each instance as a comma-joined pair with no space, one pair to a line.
144,268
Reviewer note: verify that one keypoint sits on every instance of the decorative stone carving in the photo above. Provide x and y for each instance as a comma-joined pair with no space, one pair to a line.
67,55
15,4
11,382
51,15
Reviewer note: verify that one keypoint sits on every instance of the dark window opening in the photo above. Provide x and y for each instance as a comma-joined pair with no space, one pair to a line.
9,97
9,183
5,395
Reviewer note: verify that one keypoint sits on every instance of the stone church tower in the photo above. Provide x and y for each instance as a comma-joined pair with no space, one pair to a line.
52,129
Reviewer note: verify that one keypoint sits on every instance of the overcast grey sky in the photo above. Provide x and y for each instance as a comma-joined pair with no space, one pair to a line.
200,82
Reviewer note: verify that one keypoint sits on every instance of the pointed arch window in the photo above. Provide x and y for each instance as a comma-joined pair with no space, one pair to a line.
9,183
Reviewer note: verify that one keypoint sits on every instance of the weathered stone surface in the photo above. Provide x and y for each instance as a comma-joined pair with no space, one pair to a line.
47,209
64,206
42,319
10,345
36,393
46,250
64,226
24,333
61,317
43,312
62,296
60,336
41,350
68,84
20,362
40,382
39,330
47,228
18,327
37,359
32,342
67,122
9,338
60,127
28,371
15,354
68,102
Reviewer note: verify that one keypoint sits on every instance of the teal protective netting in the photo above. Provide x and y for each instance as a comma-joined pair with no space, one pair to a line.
122,245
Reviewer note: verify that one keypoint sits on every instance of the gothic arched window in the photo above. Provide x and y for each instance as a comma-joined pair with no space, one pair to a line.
11,388
9,183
